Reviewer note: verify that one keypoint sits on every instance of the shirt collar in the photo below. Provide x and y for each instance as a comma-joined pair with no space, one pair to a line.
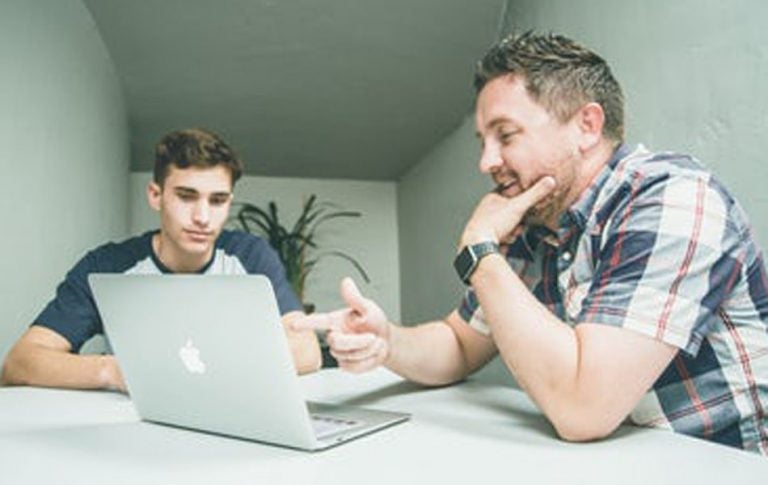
580,210
165,269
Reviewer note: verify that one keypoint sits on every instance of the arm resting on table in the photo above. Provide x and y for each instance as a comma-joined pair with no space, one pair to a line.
42,357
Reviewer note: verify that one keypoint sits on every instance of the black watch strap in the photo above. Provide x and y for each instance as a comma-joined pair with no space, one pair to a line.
468,258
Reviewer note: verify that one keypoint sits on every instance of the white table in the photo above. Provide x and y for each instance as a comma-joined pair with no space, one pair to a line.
472,433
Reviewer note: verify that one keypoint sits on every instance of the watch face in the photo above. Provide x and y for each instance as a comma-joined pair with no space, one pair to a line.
464,263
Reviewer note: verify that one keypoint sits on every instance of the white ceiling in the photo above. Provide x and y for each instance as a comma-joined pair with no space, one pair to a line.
356,89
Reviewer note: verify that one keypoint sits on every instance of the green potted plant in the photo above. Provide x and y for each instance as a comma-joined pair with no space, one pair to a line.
296,245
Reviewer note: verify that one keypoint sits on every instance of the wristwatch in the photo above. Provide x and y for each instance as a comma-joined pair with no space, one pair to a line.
468,258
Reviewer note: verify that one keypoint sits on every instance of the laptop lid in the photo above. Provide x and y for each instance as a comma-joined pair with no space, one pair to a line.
209,352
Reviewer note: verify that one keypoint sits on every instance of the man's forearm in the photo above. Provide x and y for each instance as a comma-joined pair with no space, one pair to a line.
305,350
541,351
429,354
586,380
39,366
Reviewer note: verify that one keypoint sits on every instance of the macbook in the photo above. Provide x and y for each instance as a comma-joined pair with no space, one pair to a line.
209,353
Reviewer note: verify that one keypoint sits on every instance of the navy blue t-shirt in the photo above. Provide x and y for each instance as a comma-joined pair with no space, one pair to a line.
73,314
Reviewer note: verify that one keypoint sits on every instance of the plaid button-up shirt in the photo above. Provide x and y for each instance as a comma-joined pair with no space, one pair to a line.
658,246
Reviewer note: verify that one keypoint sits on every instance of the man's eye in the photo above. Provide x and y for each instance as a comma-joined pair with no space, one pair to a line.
219,200
506,136
186,197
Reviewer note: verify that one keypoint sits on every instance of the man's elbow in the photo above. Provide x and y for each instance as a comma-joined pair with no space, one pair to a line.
6,375
441,380
13,373
580,428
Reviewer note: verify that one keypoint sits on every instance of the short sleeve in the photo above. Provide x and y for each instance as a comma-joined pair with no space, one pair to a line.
667,256
472,313
72,313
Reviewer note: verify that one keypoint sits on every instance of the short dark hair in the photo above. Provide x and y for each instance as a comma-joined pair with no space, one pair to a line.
559,74
194,147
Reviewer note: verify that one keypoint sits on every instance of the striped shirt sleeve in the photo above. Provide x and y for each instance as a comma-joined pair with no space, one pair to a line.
661,268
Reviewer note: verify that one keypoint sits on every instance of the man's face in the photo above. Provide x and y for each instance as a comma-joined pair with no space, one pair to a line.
522,142
194,205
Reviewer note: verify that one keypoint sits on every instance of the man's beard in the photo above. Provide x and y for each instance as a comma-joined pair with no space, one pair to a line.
545,212
548,210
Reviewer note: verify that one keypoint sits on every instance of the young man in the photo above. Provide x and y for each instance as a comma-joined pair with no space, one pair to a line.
195,173
613,281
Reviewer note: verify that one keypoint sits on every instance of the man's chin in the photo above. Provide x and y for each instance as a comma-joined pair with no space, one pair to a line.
197,247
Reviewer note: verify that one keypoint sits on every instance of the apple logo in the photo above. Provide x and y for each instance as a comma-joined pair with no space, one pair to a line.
190,357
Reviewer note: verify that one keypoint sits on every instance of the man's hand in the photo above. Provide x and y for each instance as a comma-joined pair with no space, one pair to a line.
42,357
110,374
359,335
498,218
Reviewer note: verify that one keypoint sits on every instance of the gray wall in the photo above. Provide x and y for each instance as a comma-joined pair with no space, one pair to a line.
694,74
435,198
64,160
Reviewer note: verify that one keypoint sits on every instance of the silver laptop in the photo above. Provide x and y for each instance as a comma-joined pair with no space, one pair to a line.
209,353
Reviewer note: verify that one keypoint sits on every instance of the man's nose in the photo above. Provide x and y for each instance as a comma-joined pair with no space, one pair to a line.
490,159
202,213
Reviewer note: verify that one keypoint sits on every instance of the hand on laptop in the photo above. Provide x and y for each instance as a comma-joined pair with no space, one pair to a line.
357,335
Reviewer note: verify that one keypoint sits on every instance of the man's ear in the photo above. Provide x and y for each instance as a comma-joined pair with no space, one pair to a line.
154,194
590,119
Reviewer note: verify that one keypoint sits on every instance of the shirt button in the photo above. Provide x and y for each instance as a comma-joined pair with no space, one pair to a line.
566,256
